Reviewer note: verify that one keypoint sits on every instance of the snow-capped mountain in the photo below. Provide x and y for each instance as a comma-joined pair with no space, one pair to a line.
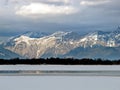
6,54
10,41
107,39
34,34
98,44
35,45
110,53
64,42
56,43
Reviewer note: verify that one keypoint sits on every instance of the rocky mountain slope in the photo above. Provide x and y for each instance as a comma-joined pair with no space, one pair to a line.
6,54
67,44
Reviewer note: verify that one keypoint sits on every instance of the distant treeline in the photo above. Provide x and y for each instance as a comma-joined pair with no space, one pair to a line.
59,61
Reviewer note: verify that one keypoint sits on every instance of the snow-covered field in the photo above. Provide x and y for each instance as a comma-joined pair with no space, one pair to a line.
59,82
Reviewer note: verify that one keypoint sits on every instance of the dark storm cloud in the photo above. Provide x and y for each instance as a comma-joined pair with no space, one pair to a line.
53,15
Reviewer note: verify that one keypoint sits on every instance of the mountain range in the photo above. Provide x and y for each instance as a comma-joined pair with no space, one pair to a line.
98,44
7,54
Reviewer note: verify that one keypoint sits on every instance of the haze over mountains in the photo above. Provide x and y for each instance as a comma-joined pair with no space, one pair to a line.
98,44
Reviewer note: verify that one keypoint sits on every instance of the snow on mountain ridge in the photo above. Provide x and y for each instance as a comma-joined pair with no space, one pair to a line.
36,47
31,47
35,34
60,43
108,39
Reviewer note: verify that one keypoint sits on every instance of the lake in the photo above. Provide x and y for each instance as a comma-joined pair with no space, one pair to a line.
60,82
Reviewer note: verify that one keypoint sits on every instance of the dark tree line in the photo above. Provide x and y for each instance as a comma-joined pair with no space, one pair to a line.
59,61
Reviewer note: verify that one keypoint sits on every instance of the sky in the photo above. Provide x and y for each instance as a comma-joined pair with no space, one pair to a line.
18,16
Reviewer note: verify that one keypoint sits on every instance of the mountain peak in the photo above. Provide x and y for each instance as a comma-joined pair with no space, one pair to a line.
59,33
119,27
117,30
35,34
100,32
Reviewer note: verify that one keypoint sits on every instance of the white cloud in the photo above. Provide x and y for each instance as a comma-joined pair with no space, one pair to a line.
64,1
45,9
91,3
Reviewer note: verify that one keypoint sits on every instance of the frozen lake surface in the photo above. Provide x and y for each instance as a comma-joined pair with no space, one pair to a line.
59,82
60,67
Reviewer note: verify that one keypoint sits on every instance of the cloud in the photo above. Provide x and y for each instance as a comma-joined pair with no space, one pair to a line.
63,1
45,9
94,2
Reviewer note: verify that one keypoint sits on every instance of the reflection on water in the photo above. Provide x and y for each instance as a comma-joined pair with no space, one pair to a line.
57,73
